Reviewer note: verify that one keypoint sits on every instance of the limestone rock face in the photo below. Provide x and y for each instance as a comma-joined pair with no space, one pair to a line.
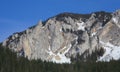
66,35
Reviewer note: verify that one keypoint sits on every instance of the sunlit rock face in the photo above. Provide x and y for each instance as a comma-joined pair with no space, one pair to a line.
67,34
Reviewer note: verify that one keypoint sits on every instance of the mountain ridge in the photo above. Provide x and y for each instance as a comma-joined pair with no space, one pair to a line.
67,34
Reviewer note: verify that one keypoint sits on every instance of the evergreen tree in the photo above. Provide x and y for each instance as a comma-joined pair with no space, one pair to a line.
9,62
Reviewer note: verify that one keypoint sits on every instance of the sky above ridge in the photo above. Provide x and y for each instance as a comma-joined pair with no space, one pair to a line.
18,15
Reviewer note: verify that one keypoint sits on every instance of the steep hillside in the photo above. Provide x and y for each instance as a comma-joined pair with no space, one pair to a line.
70,35
10,62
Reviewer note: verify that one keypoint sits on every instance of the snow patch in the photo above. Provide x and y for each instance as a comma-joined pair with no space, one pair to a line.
60,29
111,52
94,33
50,51
68,49
81,26
115,20
63,58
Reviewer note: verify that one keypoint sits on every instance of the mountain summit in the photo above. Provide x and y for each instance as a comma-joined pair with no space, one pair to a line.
70,35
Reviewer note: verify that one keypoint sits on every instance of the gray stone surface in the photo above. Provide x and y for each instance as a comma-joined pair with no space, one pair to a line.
60,31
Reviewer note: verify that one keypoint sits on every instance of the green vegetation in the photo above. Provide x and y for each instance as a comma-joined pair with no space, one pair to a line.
9,62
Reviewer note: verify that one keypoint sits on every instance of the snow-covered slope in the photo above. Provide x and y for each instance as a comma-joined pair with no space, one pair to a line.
112,52
60,56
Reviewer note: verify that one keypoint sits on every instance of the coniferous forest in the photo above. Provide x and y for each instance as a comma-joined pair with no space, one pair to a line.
10,62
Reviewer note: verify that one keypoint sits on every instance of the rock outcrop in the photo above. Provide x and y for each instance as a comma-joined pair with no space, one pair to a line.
66,35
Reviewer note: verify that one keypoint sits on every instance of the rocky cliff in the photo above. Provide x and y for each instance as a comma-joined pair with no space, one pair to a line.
67,35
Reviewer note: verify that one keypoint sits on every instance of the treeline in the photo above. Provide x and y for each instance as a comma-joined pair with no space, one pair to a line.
9,62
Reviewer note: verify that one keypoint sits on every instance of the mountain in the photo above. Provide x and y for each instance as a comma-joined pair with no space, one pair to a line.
70,36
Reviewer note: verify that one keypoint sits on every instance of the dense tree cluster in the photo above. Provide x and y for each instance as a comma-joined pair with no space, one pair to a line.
10,62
